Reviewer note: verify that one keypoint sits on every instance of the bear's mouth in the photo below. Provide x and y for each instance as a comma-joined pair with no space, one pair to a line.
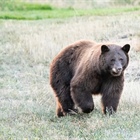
116,73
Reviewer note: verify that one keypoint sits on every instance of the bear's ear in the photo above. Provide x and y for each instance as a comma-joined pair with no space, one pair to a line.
126,48
104,49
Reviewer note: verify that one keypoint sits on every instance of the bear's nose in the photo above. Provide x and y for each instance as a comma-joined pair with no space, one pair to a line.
119,69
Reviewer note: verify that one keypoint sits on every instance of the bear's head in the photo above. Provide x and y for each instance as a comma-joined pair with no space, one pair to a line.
114,59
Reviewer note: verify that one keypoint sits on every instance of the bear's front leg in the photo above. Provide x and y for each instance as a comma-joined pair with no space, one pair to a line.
111,92
82,98
110,103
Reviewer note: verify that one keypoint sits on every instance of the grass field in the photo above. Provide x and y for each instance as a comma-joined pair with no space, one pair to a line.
16,9
63,13
27,103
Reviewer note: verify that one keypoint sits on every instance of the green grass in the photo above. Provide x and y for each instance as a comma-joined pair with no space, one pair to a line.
63,13
27,11
17,5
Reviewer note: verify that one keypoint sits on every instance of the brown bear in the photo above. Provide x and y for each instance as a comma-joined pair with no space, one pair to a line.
86,68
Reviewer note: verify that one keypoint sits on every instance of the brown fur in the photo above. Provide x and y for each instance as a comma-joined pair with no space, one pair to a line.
85,68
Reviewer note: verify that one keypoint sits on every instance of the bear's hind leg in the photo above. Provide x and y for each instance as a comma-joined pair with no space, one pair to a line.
65,104
59,110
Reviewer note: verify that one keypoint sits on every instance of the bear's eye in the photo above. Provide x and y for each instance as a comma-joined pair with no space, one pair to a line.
121,59
112,60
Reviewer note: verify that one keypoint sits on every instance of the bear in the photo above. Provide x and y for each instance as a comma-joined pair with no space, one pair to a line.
87,68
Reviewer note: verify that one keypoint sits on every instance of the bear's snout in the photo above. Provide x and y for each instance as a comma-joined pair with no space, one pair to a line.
116,71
